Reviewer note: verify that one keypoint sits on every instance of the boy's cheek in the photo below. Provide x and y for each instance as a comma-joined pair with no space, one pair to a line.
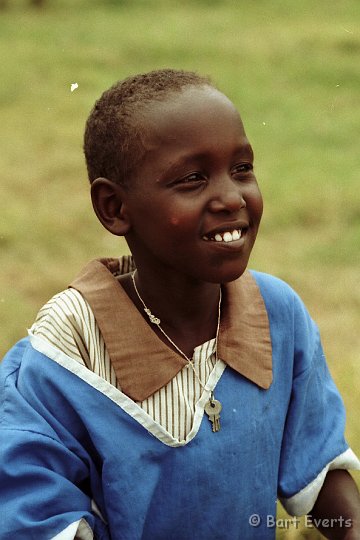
180,224
174,221
257,204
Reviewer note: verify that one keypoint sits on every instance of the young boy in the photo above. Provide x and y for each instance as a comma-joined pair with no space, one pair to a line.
172,394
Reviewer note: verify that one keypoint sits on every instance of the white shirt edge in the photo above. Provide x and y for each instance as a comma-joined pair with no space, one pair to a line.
79,529
302,502
122,400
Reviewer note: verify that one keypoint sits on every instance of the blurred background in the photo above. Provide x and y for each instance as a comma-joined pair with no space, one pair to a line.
292,68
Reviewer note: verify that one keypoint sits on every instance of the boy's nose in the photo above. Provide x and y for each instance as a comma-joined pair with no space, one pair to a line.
229,198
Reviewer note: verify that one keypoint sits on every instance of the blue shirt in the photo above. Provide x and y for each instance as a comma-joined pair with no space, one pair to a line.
67,442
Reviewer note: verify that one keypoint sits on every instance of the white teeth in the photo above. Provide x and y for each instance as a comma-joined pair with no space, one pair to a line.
226,236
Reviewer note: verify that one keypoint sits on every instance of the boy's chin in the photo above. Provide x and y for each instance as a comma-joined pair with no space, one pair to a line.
226,275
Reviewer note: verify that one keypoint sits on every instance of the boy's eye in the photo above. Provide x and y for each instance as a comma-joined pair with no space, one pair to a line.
242,168
193,178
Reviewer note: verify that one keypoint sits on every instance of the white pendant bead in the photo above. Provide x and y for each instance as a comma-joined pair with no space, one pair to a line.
152,317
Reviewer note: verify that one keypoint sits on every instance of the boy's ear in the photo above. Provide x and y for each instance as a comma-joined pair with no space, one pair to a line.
108,202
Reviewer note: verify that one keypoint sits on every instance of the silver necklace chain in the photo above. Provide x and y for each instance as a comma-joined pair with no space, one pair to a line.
156,321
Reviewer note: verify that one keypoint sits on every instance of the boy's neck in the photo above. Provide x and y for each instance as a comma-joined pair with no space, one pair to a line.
188,310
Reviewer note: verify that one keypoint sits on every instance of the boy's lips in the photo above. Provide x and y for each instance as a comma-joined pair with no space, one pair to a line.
226,234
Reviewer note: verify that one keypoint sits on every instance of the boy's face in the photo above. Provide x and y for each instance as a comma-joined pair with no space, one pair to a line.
194,205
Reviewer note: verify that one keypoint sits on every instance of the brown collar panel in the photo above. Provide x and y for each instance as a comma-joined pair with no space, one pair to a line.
142,362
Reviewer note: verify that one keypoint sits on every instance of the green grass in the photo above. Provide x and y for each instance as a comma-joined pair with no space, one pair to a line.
290,67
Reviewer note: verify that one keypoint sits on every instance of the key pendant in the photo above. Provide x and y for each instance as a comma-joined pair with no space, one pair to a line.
212,409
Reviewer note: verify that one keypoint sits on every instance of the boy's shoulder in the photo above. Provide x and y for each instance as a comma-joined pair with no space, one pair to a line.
67,323
279,296
273,285
63,306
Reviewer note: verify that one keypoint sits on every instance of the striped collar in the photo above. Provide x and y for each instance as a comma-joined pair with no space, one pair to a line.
142,362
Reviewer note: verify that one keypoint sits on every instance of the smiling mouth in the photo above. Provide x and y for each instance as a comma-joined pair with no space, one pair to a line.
226,236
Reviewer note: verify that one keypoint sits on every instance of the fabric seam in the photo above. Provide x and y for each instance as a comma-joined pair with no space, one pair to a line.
122,400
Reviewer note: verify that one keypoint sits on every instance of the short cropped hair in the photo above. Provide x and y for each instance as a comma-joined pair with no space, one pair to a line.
112,144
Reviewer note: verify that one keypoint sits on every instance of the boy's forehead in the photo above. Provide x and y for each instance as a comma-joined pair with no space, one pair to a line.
183,110
205,99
